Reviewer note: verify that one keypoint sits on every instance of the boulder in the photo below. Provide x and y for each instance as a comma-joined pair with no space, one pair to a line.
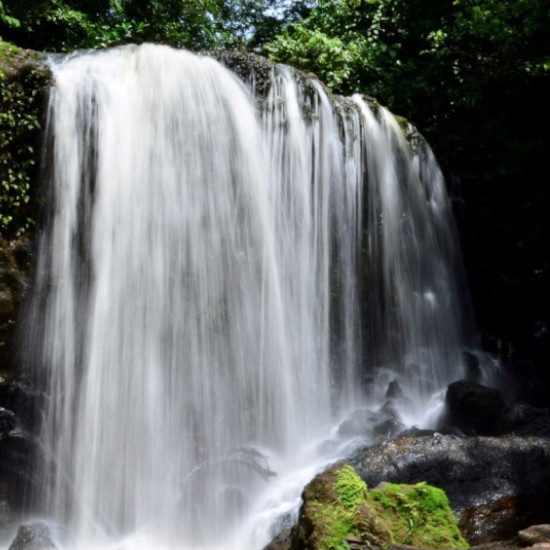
33,536
23,399
474,409
501,518
394,390
473,370
498,545
472,470
536,534
7,422
282,541
338,507
18,452
525,419
370,425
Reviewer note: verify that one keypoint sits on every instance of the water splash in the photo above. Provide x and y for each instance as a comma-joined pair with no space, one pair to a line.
214,282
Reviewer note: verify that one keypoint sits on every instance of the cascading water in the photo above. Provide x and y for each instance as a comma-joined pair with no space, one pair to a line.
416,324
199,291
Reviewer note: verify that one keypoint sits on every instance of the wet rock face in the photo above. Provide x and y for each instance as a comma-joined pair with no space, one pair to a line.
19,402
7,422
473,370
282,541
524,419
496,484
474,409
33,536
249,67
502,518
370,425
472,471
14,269
24,88
256,70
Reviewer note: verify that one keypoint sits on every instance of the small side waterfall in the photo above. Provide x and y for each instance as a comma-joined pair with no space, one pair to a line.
416,289
217,274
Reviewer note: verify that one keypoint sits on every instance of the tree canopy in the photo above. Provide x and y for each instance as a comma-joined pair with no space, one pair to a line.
472,74
64,25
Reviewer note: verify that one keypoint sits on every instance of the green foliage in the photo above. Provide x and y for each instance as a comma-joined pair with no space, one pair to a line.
21,110
64,25
6,19
331,59
474,75
56,25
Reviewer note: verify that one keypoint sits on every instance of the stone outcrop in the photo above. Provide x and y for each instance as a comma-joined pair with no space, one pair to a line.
339,512
473,408
496,484
33,536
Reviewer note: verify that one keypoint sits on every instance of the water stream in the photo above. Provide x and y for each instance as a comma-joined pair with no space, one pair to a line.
223,279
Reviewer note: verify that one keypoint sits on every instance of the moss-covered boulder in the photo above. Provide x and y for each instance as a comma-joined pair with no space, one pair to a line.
338,509
418,515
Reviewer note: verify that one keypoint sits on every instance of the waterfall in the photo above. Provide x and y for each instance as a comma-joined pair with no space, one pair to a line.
217,273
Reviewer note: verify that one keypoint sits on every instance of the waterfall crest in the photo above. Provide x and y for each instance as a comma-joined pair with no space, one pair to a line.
215,278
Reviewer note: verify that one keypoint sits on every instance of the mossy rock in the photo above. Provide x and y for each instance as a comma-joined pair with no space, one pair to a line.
24,86
338,506
417,515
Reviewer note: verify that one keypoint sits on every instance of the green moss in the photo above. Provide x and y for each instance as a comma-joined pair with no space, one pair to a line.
349,487
403,124
337,504
418,515
335,508
334,523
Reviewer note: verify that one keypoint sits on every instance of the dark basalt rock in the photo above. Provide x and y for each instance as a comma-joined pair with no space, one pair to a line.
257,70
473,370
501,518
282,541
14,269
23,399
18,452
472,470
524,419
7,422
394,390
33,536
474,409
250,67
372,425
